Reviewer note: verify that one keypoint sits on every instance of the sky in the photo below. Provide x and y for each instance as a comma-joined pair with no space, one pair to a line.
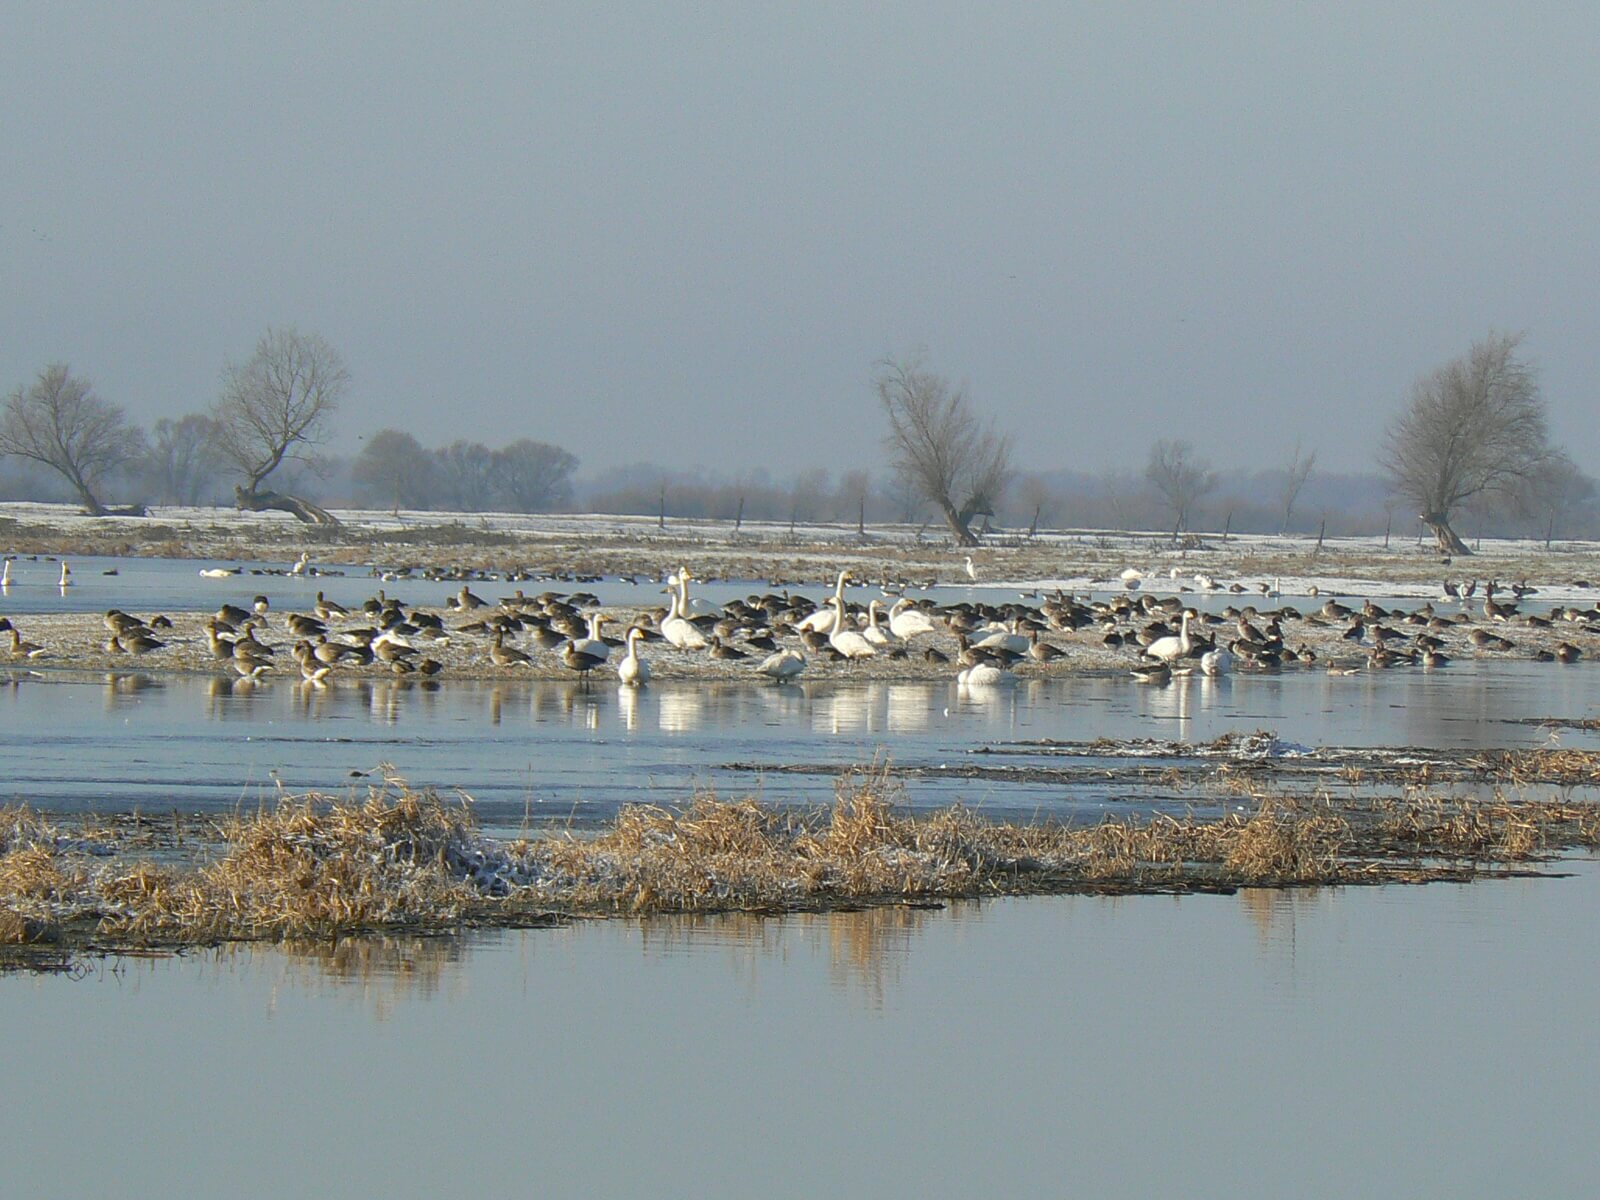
686,233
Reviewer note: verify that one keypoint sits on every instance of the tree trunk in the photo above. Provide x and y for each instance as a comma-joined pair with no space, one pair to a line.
958,524
280,502
1449,541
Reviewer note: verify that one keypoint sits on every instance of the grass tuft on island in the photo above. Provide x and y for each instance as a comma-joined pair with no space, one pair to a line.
400,859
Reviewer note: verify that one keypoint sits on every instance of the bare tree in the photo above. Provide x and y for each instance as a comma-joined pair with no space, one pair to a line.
182,460
1474,431
61,423
1294,479
533,476
465,471
273,409
1181,479
1555,490
394,468
938,446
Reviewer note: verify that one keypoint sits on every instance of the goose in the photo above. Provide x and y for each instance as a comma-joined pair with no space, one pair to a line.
633,670
250,669
502,655
906,621
1169,648
22,649
1152,672
847,641
822,620
576,660
785,664
328,609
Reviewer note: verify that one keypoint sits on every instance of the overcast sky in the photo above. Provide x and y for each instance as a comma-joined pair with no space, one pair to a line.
686,232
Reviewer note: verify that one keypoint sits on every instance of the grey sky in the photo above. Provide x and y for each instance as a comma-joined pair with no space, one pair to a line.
685,232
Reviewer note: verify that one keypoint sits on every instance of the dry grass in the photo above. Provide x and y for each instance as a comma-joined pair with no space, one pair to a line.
398,859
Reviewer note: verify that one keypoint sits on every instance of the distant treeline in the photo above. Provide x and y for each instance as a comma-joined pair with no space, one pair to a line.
532,477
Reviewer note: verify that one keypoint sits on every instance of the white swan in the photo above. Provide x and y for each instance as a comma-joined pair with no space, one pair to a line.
972,571
1172,647
218,572
1001,637
847,641
5,575
66,574
692,606
875,633
632,669
593,645
678,629
907,622
824,618
985,674
300,567
1216,662
785,664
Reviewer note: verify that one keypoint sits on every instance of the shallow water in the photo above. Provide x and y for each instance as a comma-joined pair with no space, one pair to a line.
1335,1042
543,751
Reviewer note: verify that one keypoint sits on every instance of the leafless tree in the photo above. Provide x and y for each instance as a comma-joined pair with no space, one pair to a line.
533,476
1037,500
394,468
60,423
939,447
182,461
273,409
1555,490
1181,479
465,471
1294,479
1474,431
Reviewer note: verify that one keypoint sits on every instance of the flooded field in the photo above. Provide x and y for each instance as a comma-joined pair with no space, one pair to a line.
560,751
1323,1042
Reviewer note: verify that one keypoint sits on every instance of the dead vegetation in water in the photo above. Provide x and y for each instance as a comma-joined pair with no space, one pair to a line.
398,860
1523,768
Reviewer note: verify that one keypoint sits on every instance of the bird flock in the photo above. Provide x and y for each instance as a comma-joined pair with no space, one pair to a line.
779,635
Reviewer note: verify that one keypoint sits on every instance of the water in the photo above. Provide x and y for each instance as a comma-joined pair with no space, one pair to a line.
558,750
1336,1042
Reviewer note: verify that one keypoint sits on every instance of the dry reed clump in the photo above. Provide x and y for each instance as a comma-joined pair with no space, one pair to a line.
1567,768
310,866
1281,844
1495,830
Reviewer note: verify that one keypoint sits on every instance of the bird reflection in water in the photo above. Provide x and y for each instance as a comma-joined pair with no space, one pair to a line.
122,688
